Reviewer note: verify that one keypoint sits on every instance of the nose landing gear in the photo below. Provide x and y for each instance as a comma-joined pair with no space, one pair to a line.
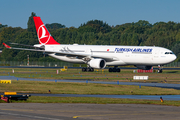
159,69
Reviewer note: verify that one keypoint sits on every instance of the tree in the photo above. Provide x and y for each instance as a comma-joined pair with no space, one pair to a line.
55,26
176,48
31,26
95,26
143,23
135,40
2,26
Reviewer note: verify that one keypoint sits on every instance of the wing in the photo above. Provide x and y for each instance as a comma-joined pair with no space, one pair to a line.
7,46
26,45
69,53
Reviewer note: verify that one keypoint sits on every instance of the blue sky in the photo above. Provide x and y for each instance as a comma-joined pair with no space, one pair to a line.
16,13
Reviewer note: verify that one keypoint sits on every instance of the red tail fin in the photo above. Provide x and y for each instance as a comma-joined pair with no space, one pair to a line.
44,36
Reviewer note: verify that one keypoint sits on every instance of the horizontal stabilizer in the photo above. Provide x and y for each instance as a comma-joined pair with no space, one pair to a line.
7,46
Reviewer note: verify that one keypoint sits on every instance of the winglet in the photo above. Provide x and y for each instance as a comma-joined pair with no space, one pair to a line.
7,46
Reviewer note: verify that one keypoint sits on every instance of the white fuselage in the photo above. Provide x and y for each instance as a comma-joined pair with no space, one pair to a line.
115,55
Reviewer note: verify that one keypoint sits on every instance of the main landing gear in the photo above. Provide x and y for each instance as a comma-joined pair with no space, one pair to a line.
88,69
115,69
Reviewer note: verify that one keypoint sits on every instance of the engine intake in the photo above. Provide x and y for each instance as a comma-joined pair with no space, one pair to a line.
97,63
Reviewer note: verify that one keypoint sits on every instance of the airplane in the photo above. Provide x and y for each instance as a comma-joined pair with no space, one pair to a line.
99,56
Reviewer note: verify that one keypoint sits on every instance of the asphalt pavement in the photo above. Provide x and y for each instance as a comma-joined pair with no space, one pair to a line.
59,111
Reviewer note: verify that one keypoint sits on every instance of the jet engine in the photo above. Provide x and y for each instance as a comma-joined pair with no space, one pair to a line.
97,63
143,67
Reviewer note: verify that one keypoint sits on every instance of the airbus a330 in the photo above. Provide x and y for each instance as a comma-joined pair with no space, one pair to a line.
100,56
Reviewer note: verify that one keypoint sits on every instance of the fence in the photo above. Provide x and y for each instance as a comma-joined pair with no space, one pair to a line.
59,64
173,64
36,64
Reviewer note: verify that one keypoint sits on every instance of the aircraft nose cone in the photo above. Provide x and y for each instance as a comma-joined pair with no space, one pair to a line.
174,57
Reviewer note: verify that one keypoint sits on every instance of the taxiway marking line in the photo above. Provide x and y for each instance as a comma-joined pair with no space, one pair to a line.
29,116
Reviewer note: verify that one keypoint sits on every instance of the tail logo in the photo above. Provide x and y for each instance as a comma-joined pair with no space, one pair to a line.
43,35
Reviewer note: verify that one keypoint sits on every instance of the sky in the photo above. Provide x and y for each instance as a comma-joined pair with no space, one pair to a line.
73,13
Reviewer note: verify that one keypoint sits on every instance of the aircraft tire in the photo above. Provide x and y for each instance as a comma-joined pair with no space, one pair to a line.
88,69
159,70
114,69
84,69
118,70
110,69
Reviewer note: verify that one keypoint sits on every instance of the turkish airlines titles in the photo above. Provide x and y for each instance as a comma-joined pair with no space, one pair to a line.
137,50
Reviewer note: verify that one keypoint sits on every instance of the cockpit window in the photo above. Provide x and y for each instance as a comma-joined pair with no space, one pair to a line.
169,53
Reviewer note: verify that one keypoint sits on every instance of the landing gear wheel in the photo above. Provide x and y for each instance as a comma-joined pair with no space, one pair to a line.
87,69
84,69
118,70
159,70
114,69
110,69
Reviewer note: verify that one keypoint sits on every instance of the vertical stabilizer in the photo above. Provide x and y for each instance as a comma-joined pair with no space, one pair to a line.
44,36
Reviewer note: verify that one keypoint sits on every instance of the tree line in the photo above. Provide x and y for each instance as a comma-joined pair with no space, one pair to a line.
93,32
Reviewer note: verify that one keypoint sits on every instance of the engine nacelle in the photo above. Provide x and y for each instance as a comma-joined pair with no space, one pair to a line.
97,63
143,67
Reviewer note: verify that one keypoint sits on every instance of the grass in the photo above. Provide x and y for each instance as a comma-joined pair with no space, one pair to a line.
125,75
93,100
83,88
